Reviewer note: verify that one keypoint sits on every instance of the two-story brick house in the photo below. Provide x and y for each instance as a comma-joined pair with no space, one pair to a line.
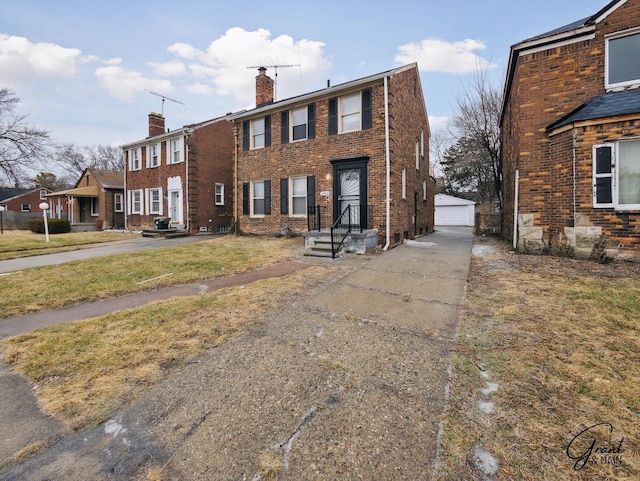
185,175
361,145
570,132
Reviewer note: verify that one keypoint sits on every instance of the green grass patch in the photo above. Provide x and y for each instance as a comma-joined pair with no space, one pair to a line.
93,279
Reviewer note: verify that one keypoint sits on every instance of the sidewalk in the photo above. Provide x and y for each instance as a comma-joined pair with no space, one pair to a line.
345,382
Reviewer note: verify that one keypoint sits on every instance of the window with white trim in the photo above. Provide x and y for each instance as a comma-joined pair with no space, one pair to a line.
424,190
219,194
298,198
94,207
258,198
616,175
404,183
134,159
136,201
258,133
43,194
623,59
117,203
25,208
155,201
417,155
153,155
350,113
299,123
175,151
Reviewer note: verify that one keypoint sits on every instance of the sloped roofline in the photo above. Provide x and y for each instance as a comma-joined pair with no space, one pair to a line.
334,90
566,33
28,191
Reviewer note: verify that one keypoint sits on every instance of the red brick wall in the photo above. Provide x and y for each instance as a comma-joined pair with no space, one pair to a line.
210,160
31,198
313,157
546,86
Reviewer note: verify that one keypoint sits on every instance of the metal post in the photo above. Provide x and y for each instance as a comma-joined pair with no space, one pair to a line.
44,206
2,209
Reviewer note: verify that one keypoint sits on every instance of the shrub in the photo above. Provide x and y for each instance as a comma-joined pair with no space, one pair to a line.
56,226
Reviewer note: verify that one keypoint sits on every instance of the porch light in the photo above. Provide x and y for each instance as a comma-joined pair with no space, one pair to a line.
44,206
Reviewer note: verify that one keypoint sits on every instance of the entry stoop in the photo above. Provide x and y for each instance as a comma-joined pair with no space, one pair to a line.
318,244
165,233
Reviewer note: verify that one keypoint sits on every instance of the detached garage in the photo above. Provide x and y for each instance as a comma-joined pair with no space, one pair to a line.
454,210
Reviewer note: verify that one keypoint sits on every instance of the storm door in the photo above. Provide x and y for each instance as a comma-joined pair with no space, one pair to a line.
350,190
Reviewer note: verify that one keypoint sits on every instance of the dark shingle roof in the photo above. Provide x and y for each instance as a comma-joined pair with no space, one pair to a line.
564,29
602,106
10,192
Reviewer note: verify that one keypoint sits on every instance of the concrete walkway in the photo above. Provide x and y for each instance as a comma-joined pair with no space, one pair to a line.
346,382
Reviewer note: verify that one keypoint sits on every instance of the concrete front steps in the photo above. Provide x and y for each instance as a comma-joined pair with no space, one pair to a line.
318,244
165,233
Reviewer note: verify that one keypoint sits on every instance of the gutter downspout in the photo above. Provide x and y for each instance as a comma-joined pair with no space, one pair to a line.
515,212
236,222
388,164
124,193
186,181
575,136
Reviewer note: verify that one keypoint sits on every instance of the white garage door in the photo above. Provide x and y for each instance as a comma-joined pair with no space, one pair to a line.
453,215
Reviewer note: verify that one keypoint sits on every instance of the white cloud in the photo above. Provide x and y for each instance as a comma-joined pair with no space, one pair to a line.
225,61
22,60
435,55
169,69
436,122
124,84
200,88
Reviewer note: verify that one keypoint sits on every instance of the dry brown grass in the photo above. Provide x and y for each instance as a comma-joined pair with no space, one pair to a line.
84,370
93,279
24,243
562,339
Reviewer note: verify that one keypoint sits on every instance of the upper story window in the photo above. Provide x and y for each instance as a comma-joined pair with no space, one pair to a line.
417,155
616,175
134,159
256,133
350,113
43,195
175,151
153,155
623,59
404,183
298,124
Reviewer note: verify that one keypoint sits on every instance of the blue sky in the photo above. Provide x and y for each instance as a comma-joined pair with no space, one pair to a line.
81,67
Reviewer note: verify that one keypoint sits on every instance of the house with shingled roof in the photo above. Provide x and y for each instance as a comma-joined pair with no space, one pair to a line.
570,132
347,165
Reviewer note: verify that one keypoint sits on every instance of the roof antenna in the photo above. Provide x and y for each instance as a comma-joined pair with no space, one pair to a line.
275,83
163,99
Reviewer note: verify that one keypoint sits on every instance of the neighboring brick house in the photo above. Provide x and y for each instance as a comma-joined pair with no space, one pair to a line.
23,200
185,175
97,199
363,143
570,131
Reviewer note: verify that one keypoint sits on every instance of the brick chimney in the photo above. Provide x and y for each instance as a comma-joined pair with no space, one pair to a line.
264,88
156,124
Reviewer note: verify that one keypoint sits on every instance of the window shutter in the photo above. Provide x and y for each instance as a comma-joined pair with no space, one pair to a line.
333,116
147,202
366,109
311,121
284,127
245,135
267,197
603,175
284,196
160,206
267,131
311,191
245,198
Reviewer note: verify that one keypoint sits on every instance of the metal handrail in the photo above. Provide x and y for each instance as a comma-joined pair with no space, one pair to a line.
314,218
340,230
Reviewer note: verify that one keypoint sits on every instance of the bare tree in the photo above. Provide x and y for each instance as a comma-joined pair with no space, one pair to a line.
21,145
72,159
105,157
476,126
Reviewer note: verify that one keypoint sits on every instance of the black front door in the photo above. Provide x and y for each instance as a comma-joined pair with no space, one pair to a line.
350,191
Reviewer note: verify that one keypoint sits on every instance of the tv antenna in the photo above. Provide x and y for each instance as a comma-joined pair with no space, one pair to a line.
275,67
163,99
